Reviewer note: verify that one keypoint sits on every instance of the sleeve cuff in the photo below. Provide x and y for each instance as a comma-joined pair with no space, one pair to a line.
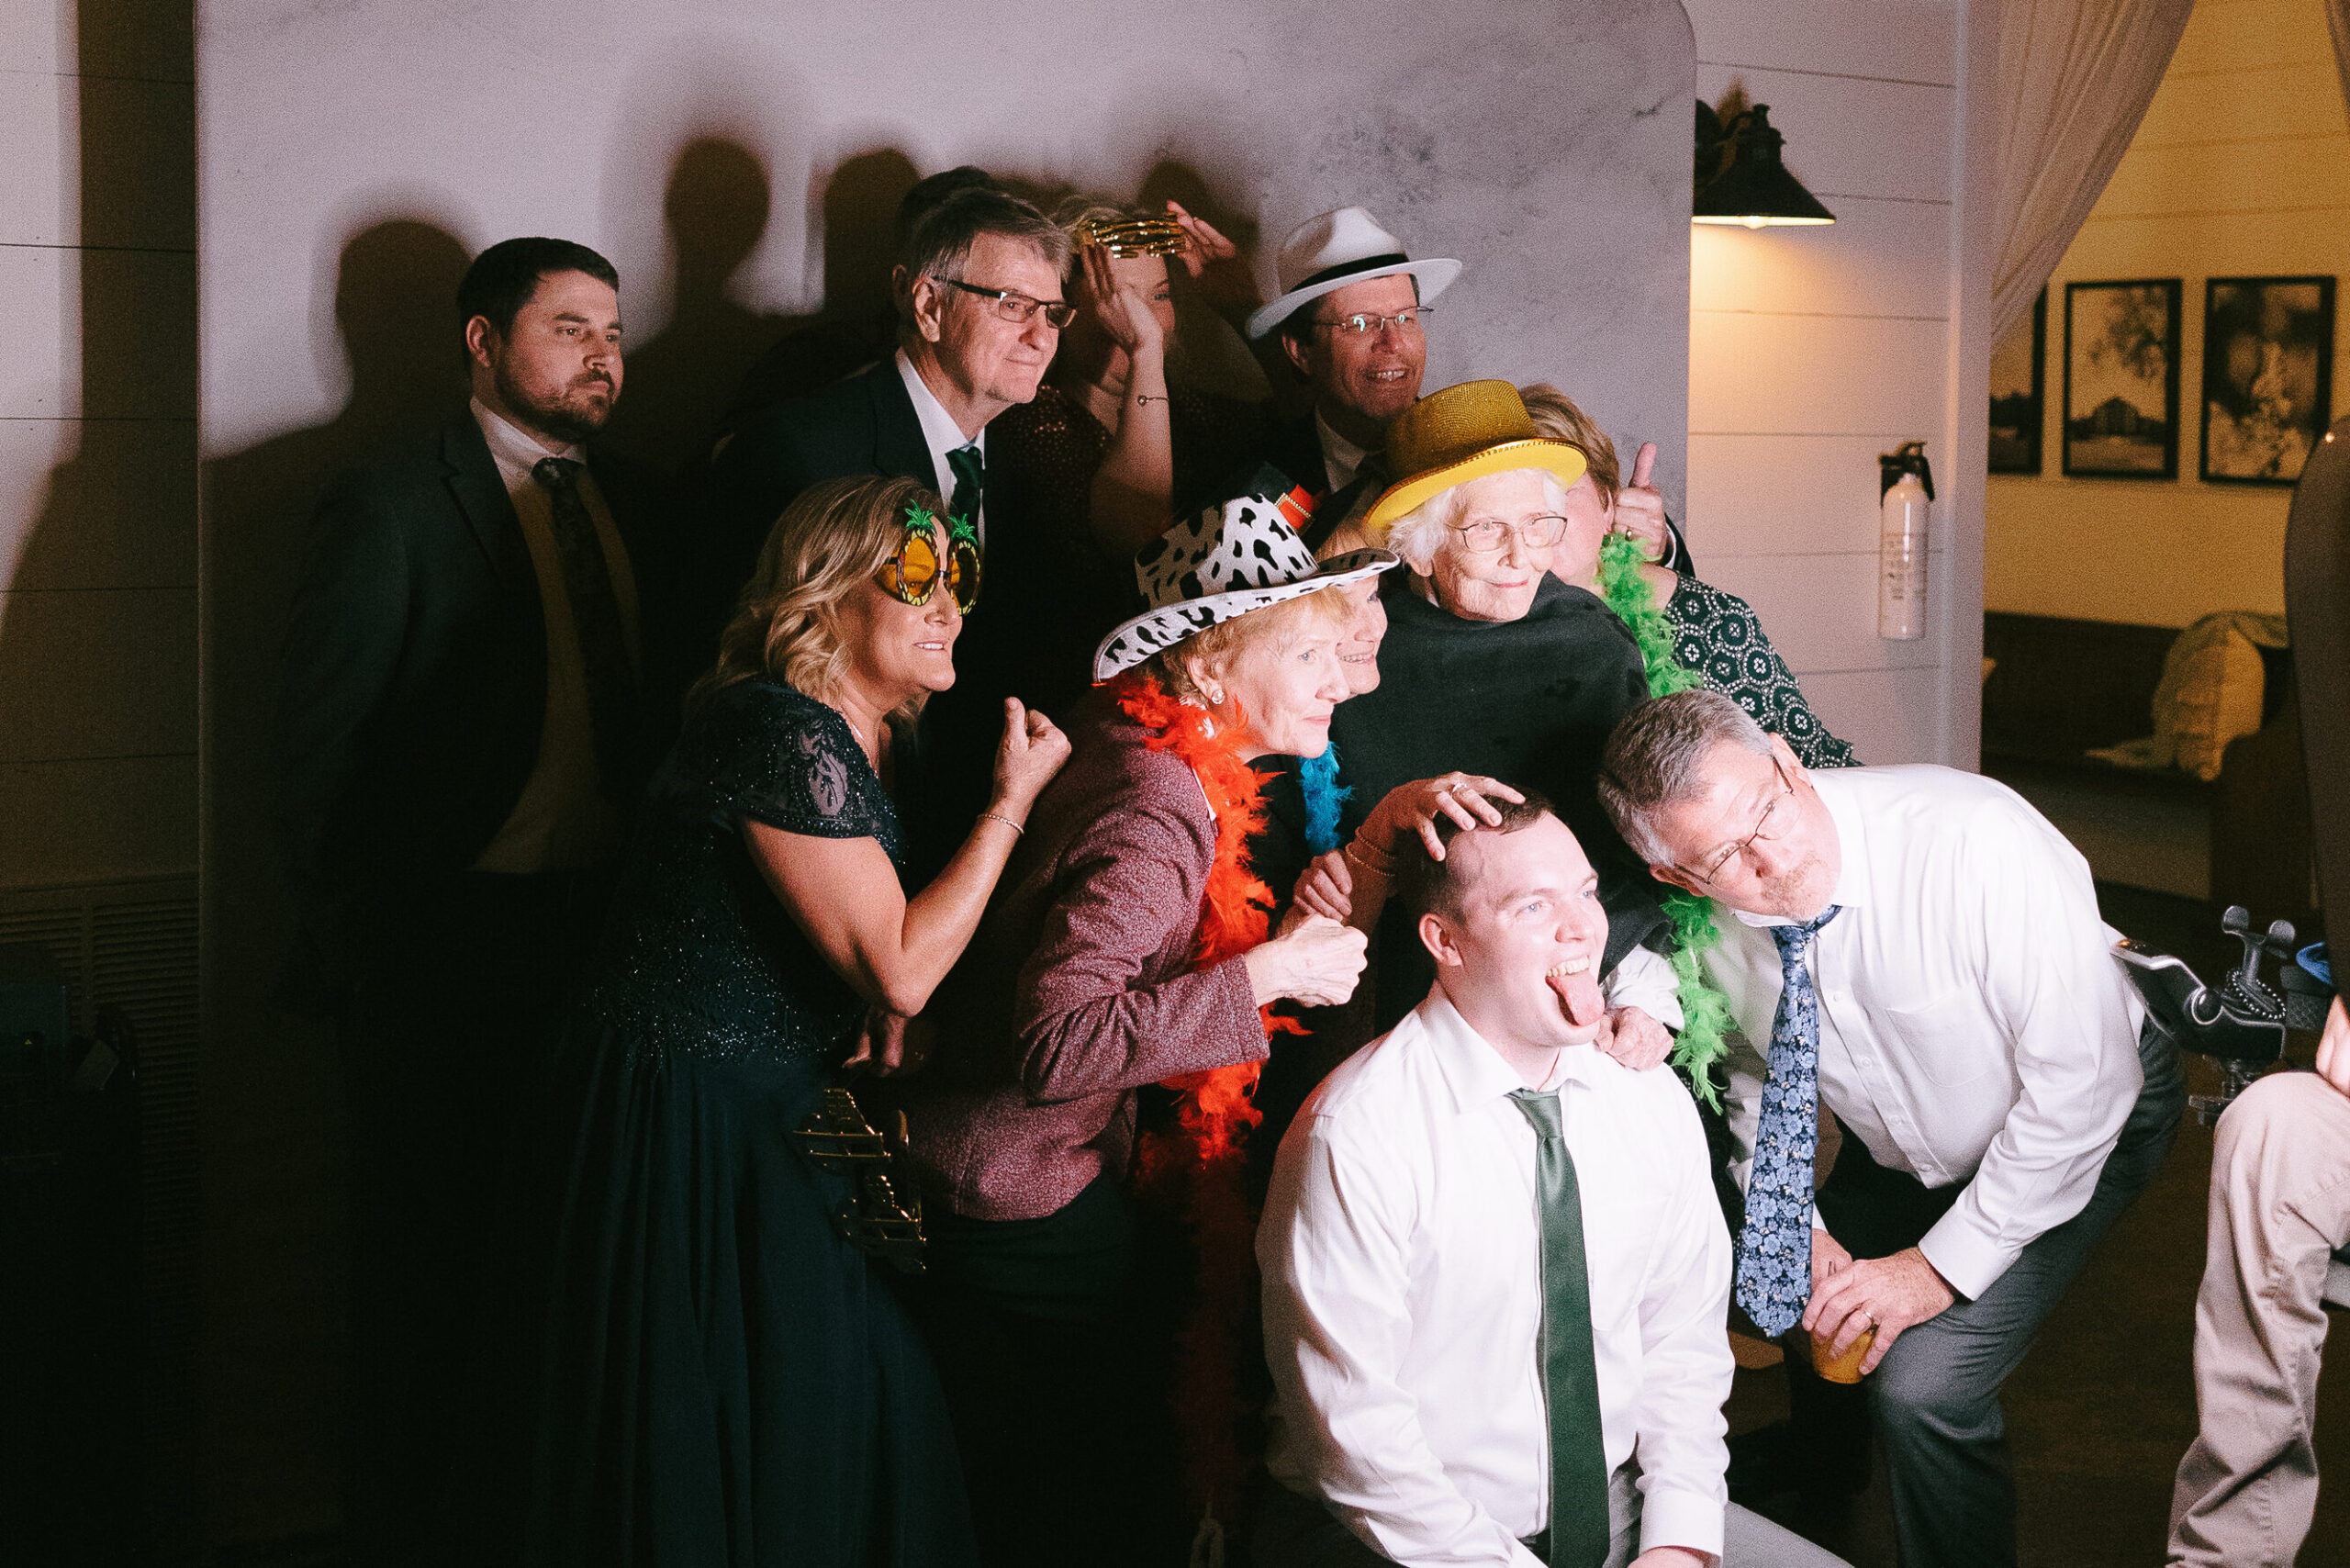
1672,1516
1963,1255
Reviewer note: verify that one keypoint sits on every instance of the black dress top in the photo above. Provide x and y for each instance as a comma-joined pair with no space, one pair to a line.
699,958
718,1377
1528,701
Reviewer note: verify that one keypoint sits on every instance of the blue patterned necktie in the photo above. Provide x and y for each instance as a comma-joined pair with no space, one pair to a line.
1774,1247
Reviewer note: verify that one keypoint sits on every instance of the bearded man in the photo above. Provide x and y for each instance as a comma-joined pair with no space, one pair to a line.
463,729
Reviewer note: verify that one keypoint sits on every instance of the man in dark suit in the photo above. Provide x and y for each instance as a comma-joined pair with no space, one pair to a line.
465,726
983,314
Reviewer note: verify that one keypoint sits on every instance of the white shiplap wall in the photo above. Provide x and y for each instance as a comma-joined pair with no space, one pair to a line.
97,443
1813,350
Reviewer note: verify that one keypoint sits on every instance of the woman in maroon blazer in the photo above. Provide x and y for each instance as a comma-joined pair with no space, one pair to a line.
1124,947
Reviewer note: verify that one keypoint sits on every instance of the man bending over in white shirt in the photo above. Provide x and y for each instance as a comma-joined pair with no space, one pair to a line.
1496,1276
1920,951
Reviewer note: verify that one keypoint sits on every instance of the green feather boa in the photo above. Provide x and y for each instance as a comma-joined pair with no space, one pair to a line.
1705,1012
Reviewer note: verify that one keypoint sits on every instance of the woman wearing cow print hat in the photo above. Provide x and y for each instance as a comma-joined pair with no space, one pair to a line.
1125,947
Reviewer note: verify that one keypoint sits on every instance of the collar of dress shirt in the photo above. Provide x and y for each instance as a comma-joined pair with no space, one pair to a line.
1474,1073
1855,883
938,427
1340,456
510,445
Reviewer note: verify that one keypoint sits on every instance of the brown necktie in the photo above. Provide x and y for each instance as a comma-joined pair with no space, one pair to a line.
613,702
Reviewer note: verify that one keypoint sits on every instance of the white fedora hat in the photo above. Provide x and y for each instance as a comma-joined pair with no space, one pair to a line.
1242,556
1337,247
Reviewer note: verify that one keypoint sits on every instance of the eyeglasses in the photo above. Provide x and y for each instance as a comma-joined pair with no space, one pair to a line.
911,575
1016,306
1487,534
1405,323
1762,827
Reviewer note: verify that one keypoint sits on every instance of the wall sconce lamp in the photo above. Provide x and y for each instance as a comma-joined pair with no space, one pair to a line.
1739,178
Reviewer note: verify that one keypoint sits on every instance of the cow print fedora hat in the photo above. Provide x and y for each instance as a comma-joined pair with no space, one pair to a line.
1244,555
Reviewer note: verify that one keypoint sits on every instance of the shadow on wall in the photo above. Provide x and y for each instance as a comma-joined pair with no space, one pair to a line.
275,1385
680,380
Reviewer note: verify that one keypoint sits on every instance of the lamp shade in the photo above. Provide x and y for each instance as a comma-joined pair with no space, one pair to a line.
1753,189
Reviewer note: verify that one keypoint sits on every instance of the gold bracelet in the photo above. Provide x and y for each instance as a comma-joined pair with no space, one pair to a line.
1143,397
1017,830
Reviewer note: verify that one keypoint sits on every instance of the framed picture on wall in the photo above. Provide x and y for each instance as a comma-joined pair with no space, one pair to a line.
2018,376
2121,379
2267,376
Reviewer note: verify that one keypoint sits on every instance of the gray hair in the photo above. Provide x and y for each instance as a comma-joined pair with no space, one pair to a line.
940,242
1652,760
1418,535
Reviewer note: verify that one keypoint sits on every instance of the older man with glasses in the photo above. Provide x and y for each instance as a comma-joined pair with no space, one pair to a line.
1921,952
982,317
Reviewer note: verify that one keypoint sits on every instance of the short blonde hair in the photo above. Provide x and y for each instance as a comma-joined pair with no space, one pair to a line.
1556,418
1224,641
1418,534
785,627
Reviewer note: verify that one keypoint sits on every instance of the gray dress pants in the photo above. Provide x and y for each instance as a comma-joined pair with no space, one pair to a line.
1934,1400
1299,1532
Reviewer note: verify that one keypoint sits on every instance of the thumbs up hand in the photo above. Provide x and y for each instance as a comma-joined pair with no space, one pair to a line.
1639,509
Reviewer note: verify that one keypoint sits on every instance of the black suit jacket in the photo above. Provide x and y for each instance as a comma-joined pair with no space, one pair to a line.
413,687
1295,448
865,424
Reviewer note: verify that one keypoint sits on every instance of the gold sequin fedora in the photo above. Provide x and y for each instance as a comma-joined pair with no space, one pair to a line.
1462,433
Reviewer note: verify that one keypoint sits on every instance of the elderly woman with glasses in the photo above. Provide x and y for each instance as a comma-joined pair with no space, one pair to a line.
1127,955
1490,667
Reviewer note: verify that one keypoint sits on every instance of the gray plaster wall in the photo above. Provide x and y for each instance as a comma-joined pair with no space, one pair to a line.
737,162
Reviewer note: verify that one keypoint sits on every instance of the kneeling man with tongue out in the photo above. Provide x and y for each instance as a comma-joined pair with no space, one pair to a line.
1496,1278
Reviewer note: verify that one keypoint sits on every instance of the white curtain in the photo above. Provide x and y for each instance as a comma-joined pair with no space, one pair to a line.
2337,22
2075,79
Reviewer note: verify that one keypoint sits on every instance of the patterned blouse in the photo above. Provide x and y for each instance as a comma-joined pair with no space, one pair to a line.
1720,637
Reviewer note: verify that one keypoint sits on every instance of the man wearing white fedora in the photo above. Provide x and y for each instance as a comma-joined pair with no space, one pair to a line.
1348,317
1351,318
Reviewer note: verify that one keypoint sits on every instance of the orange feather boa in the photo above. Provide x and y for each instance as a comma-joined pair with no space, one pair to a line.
1196,1168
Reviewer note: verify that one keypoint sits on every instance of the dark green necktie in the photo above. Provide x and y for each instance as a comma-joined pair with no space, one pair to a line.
970,471
1579,1533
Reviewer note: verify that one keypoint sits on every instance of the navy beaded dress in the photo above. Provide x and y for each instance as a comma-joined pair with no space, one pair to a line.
720,1380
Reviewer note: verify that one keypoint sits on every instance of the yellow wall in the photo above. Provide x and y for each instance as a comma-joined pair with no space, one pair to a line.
2242,168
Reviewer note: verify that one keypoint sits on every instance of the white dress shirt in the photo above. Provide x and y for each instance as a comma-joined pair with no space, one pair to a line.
1340,457
941,435
1974,1025
1402,1259
563,820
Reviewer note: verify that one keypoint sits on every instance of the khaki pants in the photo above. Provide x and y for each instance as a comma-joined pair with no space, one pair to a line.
2281,1208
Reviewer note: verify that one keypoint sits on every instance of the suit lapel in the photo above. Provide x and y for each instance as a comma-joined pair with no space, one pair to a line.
480,494
899,446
